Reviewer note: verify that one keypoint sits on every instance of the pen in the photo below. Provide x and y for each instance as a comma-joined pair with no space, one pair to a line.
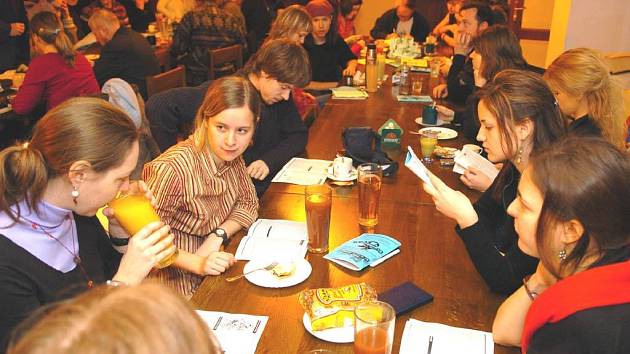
386,257
430,344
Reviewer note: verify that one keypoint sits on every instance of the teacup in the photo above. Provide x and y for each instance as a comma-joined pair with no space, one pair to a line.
342,167
472,147
429,115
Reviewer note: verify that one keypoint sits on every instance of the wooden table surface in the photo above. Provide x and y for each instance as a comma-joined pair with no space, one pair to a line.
432,255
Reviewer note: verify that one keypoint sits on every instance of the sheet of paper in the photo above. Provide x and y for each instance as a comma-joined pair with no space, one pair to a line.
446,339
237,334
274,239
303,172
348,92
468,158
416,166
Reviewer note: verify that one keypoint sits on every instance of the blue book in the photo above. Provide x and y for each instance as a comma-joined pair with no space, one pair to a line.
360,252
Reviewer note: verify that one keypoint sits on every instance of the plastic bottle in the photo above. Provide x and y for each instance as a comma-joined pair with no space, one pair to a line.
371,75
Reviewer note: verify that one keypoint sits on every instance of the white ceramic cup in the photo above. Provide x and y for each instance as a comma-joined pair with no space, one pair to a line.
473,148
342,167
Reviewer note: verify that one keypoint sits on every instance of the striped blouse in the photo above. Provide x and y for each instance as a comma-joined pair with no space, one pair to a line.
194,197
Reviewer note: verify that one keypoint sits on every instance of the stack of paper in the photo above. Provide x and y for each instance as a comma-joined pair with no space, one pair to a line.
348,93
467,158
237,334
274,239
446,339
304,172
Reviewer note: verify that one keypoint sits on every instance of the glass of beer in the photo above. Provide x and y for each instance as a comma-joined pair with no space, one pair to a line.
428,140
318,202
370,176
134,211
374,328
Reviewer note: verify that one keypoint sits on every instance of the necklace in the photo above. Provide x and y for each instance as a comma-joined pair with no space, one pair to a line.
75,256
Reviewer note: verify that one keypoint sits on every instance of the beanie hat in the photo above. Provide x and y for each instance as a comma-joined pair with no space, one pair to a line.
123,96
319,8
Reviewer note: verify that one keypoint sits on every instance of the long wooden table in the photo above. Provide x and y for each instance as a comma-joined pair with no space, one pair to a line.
432,255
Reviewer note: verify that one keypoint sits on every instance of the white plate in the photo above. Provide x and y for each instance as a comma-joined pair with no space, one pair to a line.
438,123
443,133
351,177
266,279
335,335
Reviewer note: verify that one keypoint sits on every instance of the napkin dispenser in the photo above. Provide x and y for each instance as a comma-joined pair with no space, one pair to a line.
391,134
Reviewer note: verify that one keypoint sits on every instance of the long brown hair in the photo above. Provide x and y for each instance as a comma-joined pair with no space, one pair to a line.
499,49
225,93
47,26
89,129
586,179
583,72
513,97
145,319
293,19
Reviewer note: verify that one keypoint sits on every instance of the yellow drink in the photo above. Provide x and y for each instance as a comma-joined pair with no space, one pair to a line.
133,212
428,140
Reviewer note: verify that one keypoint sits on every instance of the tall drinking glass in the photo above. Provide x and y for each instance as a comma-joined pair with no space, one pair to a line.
370,176
428,140
134,211
318,202
374,328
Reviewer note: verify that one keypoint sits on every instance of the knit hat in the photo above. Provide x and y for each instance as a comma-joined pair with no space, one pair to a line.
122,95
319,8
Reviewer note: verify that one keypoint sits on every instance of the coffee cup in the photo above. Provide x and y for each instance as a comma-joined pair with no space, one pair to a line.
342,167
429,115
472,147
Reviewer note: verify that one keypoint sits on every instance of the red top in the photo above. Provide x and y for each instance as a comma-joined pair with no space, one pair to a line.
345,27
49,79
597,287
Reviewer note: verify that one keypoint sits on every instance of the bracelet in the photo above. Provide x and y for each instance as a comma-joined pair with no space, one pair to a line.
115,283
119,241
532,294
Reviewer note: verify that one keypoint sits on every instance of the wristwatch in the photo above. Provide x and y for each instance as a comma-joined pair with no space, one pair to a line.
119,241
223,235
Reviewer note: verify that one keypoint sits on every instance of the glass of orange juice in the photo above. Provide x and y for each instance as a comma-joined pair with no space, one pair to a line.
134,211
374,328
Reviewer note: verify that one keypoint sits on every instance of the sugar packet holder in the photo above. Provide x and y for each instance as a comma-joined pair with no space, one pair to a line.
363,251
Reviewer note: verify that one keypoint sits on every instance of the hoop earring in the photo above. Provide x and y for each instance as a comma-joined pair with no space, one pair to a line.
562,255
75,194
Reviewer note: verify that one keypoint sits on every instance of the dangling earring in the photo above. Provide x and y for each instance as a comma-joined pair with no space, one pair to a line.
562,255
519,155
75,194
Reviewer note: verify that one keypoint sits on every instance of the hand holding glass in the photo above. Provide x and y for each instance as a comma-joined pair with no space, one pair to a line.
134,211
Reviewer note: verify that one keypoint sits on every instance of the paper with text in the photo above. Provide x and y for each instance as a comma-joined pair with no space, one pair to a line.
446,339
416,166
304,172
274,239
237,334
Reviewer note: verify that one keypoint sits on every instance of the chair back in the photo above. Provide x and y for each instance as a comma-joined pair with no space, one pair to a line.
171,79
216,57
164,59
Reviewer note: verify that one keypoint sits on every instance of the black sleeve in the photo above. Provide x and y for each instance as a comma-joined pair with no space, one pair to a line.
382,27
294,136
459,79
502,271
17,300
344,54
110,257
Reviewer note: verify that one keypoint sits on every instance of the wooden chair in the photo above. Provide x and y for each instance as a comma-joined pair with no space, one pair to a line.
232,54
171,79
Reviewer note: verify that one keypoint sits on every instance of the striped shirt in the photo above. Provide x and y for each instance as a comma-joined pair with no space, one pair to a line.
194,197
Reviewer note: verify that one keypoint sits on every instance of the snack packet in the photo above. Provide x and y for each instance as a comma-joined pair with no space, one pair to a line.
334,307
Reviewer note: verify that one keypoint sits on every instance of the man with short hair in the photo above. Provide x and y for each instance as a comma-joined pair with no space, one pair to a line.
125,54
475,17
401,20
279,66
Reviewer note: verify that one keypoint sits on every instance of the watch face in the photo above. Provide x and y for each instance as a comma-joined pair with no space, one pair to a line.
221,233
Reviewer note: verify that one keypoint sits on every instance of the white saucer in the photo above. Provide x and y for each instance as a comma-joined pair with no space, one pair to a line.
335,335
266,279
438,123
443,133
351,177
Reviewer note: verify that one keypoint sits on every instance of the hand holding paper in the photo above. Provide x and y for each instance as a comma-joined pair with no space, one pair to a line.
450,202
413,163
474,179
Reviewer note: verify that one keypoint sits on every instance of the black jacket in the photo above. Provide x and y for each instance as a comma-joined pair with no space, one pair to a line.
492,243
13,50
128,56
387,23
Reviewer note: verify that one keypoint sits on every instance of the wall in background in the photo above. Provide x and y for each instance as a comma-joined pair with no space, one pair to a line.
538,14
